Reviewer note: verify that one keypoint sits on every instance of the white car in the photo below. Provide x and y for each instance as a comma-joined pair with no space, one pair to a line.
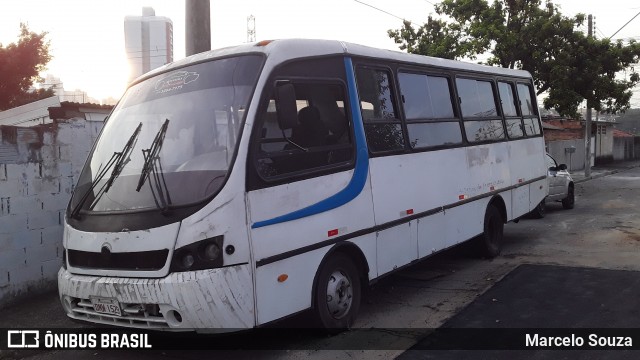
560,186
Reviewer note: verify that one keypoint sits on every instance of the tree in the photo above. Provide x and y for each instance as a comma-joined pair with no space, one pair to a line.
20,66
526,34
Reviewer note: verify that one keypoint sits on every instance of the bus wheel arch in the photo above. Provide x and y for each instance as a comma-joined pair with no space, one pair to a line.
489,243
498,202
337,287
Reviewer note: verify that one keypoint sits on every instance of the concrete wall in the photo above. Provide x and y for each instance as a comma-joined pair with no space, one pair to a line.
574,161
36,181
604,143
624,148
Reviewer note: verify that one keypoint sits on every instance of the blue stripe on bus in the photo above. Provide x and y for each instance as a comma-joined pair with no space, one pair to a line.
360,173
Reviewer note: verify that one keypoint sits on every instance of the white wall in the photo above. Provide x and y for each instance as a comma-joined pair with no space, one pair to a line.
35,188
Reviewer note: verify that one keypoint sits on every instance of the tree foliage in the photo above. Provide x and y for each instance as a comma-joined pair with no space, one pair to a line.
20,65
527,34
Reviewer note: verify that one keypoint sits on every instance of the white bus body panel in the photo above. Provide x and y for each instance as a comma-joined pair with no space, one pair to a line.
397,246
278,299
274,299
225,215
527,163
431,234
159,238
404,185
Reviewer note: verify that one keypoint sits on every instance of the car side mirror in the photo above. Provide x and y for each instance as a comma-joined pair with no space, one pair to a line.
286,108
562,167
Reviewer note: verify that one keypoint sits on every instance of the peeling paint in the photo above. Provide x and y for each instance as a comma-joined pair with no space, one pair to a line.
477,156
205,299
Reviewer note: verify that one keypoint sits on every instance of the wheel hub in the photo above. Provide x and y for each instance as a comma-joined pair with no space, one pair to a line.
339,294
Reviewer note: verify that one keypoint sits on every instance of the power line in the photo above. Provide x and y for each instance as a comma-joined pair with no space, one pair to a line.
386,12
623,26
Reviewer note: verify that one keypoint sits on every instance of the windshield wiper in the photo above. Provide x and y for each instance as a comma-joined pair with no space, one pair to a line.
124,158
150,169
117,159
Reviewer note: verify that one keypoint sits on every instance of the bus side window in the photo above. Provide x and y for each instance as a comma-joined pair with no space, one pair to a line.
381,123
479,112
515,128
429,111
320,140
529,110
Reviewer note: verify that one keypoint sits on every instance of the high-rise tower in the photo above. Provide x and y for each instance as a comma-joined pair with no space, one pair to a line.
148,41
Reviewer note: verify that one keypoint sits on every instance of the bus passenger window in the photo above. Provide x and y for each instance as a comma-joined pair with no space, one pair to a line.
531,126
476,98
508,100
320,140
510,110
526,105
478,131
529,110
480,114
429,111
515,128
381,124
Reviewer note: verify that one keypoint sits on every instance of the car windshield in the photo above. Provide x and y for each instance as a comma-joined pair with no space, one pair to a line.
171,137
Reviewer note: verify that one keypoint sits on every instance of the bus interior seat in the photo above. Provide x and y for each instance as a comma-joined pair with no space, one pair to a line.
311,131
336,122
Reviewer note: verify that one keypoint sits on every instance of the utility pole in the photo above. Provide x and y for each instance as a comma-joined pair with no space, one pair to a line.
587,126
198,26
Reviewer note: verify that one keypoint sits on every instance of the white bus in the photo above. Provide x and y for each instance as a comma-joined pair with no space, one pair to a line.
243,185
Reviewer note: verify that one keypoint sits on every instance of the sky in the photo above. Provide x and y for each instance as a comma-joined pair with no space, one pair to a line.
87,36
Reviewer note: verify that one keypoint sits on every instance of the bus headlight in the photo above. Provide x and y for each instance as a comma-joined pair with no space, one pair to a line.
211,251
187,260
204,254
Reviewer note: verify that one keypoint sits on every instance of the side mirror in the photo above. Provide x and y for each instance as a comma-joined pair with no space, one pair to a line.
286,108
562,167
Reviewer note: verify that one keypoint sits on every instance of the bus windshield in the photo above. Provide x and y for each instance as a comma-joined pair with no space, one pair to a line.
171,139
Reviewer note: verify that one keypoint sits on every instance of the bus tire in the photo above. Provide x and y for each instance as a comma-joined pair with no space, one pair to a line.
540,210
489,243
337,294
570,200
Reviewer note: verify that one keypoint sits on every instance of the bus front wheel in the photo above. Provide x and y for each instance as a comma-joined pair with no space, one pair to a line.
489,243
337,293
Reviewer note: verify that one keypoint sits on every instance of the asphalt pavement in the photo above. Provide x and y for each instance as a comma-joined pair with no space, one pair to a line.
586,307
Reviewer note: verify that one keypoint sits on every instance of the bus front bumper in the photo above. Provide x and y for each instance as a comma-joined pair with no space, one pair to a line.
214,300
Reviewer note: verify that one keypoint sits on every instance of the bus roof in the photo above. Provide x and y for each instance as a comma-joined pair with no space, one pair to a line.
278,51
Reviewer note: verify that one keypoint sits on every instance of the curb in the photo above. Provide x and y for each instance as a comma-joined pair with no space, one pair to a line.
606,173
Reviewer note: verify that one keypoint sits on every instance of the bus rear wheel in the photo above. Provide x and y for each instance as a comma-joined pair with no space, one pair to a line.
489,243
337,293
540,211
570,200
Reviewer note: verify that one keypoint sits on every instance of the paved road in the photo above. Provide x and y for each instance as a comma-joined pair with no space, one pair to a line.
603,231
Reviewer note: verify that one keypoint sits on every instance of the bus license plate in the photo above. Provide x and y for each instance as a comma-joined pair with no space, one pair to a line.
106,306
